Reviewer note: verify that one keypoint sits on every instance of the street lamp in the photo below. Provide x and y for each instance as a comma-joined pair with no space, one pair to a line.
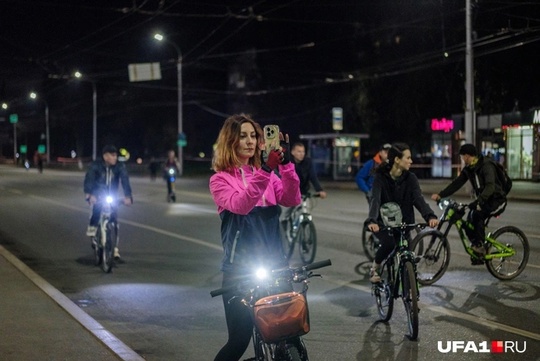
47,139
79,75
160,37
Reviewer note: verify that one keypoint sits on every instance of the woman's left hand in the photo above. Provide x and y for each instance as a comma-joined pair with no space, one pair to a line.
285,148
433,222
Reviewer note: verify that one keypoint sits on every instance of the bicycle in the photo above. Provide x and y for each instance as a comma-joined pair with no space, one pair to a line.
170,177
507,248
280,314
400,281
299,228
106,238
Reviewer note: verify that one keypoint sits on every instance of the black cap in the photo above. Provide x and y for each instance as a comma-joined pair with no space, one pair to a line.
109,149
386,146
468,149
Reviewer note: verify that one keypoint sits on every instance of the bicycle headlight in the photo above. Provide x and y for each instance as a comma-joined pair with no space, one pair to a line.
109,199
444,203
261,273
171,171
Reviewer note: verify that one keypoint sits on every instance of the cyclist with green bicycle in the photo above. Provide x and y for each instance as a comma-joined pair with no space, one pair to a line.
394,183
490,198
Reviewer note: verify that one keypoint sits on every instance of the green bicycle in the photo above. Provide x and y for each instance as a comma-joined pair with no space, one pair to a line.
507,248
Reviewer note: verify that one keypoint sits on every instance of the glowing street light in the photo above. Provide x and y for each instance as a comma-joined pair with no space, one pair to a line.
79,75
160,37
33,95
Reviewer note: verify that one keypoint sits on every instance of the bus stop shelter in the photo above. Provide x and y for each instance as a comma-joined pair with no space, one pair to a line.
335,155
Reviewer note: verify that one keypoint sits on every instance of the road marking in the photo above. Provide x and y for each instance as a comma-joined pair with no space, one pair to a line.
108,339
438,309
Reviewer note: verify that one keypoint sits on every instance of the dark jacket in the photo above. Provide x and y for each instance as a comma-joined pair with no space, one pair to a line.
405,191
306,173
95,181
483,178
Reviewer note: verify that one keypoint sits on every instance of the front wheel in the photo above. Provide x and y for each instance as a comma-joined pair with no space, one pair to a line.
288,240
432,252
410,298
370,244
108,247
292,350
384,297
508,267
307,241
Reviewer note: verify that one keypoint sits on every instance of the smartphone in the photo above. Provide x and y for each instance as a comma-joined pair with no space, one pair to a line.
271,137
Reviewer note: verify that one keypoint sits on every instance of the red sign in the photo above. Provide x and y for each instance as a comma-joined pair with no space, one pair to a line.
445,125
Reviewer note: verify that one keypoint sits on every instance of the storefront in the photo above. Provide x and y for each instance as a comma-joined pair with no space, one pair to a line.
521,132
446,135
512,139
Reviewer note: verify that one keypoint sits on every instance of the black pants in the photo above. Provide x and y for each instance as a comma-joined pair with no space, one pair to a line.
239,324
478,218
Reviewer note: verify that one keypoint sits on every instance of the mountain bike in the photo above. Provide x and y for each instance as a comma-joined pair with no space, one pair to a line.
280,314
300,229
106,237
507,248
398,279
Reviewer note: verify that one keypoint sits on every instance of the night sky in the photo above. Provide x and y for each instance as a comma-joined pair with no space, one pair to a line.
381,61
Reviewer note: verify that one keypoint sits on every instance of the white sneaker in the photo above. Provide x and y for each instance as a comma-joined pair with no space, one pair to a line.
116,253
91,231
375,278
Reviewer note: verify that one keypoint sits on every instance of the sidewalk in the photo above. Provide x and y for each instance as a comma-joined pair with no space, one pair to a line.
37,322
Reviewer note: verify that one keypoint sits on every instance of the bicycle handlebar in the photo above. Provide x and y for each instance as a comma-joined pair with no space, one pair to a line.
293,271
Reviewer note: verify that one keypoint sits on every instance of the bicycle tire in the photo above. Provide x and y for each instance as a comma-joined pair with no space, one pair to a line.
287,241
384,297
409,295
96,240
262,351
432,252
370,245
296,351
108,248
307,242
507,268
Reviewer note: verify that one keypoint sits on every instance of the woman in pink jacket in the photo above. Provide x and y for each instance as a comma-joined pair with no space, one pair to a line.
248,193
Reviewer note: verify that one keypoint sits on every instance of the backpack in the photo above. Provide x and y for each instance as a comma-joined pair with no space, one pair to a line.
504,178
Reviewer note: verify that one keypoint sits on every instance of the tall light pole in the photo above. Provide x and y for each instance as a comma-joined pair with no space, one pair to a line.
470,118
94,113
33,95
160,37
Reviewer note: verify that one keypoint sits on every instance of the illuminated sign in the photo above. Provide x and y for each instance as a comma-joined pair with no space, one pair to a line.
536,118
445,125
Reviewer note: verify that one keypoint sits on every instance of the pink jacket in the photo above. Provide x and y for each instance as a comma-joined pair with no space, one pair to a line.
242,189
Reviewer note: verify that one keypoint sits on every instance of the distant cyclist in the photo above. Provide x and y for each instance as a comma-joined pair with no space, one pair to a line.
364,177
306,173
102,178
171,164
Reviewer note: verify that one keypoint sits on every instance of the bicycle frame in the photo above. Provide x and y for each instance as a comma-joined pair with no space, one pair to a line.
453,214
401,253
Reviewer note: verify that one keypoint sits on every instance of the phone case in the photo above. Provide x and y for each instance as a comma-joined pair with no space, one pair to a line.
271,137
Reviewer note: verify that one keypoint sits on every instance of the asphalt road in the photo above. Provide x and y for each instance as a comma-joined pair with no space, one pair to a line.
157,300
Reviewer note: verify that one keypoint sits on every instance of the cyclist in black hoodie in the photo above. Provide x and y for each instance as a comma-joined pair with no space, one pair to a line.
394,183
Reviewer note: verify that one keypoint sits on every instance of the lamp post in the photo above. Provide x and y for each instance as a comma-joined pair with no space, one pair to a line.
79,75
33,95
160,37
